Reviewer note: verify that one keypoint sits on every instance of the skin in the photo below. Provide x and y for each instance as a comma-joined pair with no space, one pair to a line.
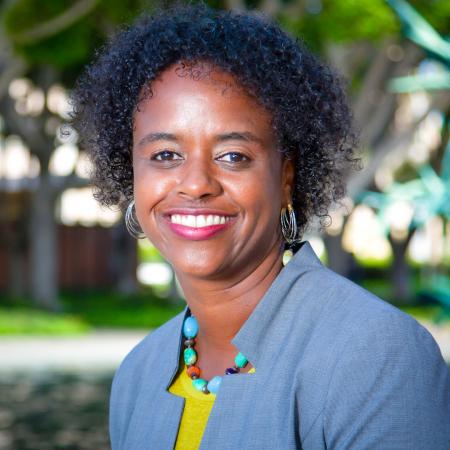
201,165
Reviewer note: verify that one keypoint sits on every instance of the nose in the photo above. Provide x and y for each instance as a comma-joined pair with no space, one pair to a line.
199,180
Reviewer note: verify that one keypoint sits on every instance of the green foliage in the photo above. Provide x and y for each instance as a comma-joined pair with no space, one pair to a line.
99,309
147,252
23,321
427,313
24,14
436,12
343,22
84,311
70,47
121,12
338,21
75,45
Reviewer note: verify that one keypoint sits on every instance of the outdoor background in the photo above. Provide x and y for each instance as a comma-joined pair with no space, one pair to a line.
77,292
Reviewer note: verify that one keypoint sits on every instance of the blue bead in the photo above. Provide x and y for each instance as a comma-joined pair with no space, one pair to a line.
214,384
199,384
190,327
230,371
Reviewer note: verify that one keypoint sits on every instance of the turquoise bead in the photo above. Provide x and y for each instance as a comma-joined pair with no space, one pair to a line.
214,384
190,356
240,360
199,384
190,327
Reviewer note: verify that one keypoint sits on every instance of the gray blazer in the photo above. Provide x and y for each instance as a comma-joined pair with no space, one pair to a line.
336,368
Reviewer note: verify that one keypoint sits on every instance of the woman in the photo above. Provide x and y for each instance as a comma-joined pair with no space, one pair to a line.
223,138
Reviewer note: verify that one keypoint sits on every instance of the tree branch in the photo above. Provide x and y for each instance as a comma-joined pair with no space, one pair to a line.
397,142
56,24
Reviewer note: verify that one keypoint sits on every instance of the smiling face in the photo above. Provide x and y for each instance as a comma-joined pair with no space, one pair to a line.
209,182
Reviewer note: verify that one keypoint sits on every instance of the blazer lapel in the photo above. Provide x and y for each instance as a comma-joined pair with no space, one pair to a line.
156,417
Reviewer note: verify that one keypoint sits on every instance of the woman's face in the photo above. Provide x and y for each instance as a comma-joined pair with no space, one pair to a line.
209,182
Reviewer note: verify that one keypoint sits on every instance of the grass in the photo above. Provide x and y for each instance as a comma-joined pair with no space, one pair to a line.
82,312
112,310
21,321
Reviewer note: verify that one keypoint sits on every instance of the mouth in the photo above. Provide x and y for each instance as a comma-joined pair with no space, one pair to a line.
199,221
198,225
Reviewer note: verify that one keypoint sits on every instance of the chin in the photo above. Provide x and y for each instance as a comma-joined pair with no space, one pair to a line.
200,264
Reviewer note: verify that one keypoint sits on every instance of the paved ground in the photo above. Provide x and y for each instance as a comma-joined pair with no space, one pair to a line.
54,391
100,351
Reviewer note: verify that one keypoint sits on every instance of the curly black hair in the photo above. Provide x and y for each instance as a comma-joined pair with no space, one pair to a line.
311,118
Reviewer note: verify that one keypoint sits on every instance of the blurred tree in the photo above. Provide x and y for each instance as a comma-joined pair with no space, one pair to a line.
427,194
51,40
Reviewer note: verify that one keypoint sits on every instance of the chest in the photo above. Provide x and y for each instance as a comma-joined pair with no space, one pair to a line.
270,409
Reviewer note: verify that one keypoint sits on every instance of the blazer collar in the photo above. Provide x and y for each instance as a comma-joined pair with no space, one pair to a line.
259,331
255,333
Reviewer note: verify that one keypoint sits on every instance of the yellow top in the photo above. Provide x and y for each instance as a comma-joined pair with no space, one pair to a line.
197,408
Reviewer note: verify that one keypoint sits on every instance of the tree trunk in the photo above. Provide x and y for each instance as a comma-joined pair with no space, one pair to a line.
339,260
43,247
123,260
400,271
16,258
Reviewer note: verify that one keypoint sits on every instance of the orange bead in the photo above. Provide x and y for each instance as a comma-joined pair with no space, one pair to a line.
193,371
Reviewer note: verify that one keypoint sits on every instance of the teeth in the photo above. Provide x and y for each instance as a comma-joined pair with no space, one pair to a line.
198,221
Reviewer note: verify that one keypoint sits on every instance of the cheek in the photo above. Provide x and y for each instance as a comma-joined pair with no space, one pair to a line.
149,188
258,193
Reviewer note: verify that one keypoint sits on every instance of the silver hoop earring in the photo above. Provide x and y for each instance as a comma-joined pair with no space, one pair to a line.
289,224
132,224
289,230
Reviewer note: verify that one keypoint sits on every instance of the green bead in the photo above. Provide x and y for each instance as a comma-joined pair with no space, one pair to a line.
199,384
240,360
190,356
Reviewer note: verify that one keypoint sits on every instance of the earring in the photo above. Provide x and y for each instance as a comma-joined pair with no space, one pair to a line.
132,224
289,230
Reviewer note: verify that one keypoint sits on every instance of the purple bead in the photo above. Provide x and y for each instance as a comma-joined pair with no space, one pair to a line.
230,371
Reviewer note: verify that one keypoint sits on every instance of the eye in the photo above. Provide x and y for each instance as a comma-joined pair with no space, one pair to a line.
233,157
166,155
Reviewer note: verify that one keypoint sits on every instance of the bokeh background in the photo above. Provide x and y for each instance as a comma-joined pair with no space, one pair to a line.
77,292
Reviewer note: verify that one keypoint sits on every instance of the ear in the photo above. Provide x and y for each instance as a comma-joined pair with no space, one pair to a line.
287,181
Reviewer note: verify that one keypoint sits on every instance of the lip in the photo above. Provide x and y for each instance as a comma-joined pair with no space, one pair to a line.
197,212
198,234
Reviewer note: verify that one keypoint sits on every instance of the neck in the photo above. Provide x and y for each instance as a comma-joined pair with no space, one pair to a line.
221,308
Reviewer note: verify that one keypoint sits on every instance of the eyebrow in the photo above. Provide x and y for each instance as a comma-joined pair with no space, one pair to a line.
232,136
153,137
238,136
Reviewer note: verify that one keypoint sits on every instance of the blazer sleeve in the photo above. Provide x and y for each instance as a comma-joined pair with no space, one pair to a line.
390,389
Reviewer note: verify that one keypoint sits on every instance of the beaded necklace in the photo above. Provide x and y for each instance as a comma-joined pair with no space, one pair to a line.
190,331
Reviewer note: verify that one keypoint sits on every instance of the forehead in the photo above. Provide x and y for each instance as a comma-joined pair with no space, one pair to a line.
185,89
197,75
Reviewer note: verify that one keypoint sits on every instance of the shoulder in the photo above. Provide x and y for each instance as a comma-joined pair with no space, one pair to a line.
354,312
379,367
352,328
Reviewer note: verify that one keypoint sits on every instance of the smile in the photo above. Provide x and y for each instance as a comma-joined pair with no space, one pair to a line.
198,227
199,221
